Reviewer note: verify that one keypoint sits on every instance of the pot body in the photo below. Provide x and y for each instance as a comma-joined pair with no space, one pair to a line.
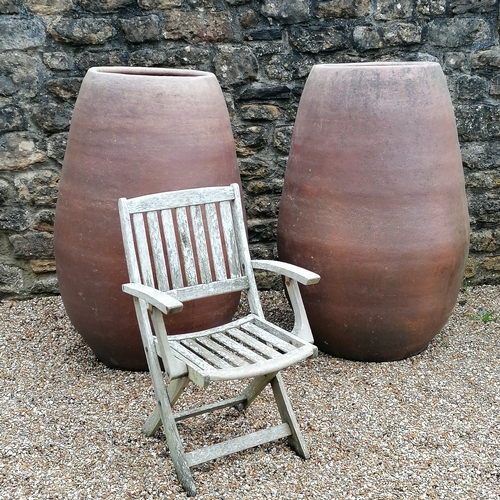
374,201
134,131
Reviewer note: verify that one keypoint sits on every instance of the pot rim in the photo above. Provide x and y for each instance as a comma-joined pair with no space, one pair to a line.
386,64
142,71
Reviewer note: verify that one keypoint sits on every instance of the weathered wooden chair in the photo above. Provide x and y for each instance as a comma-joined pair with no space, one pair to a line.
166,238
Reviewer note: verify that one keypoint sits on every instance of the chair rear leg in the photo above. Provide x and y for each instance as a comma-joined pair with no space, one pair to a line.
296,439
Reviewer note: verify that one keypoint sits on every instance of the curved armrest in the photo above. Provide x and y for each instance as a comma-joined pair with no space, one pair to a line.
293,276
289,270
161,300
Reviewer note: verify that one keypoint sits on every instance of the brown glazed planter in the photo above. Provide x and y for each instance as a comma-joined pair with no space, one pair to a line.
134,131
374,201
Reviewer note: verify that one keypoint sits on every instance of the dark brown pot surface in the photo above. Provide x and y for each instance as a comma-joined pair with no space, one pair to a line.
374,201
134,131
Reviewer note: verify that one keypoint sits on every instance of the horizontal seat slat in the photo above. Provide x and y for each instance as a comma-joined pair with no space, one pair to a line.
279,332
222,351
206,354
262,348
189,357
238,348
268,337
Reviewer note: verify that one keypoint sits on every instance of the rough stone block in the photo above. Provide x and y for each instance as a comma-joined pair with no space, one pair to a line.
263,206
58,60
472,6
282,139
5,191
9,7
19,150
44,221
64,88
490,57
12,118
266,112
247,18
255,167
87,59
43,266
345,9
484,179
286,68
37,188
147,57
11,279
389,10
260,91
198,26
159,4
141,29
272,185
14,219
234,65
481,155
21,33
32,245
18,74
193,56
485,240
318,39
52,116
250,139
457,32
45,285
262,230
49,7
98,6
478,121
396,33
263,34
455,61
472,88
431,8
286,11
84,31
56,146
366,37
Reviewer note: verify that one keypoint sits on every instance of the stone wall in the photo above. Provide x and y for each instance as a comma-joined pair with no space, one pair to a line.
261,52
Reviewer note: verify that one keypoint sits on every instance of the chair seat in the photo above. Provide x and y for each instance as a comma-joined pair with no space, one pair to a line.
248,347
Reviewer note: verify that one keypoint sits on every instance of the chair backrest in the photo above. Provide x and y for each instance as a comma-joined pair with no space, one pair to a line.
192,242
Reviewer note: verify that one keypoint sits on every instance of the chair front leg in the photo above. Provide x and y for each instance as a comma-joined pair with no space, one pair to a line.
296,439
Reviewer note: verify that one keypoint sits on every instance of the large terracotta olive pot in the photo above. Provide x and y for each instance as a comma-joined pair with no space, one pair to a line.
374,201
134,131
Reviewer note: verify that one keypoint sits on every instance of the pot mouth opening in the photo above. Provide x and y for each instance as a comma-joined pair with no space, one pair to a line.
145,71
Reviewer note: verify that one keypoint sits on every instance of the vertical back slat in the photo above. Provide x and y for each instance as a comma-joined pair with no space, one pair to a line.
174,262
200,240
215,241
230,239
128,240
143,250
158,252
186,247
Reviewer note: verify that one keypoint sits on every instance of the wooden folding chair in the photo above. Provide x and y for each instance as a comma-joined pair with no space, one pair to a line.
167,237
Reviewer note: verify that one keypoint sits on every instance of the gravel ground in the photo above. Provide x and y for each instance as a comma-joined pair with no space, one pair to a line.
425,427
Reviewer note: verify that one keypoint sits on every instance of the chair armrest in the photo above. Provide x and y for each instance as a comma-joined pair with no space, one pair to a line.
161,300
289,270
293,276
